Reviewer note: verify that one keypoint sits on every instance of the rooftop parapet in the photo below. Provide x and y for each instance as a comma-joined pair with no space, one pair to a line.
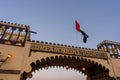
37,46
112,47
62,45
13,33
105,42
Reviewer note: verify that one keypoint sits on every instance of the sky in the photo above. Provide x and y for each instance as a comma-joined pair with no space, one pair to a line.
54,21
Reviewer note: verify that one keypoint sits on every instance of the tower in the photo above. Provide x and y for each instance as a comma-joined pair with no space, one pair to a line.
111,47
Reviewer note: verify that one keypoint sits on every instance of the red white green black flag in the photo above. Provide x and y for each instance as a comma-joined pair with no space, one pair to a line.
78,28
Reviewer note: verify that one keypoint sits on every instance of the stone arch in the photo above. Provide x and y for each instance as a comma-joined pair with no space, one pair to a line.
93,69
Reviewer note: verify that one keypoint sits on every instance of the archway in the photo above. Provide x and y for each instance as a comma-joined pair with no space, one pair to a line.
57,73
92,69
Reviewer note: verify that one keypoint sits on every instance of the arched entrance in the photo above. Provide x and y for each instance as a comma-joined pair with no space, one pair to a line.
92,69
57,73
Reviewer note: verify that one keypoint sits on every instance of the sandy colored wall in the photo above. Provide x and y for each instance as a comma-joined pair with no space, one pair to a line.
21,61
16,63
116,66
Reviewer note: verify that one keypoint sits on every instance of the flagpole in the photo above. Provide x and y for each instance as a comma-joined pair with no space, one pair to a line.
77,36
77,40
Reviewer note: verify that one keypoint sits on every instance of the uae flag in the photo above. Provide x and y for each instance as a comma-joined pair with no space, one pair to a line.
78,28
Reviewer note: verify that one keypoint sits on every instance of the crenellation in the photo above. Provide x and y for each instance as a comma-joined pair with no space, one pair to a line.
110,46
72,46
69,46
61,45
13,33
76,47
86,48
13,24
5,22
46,42
8,22
56,44
79,47
108,42
1,21
50,43
22,25
83,48
65,45
37,41
41,42
18,24
33,40
90,49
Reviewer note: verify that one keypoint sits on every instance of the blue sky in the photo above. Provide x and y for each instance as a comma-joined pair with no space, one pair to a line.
54,20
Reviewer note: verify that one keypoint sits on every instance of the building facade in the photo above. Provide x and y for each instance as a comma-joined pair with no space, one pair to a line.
19,56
